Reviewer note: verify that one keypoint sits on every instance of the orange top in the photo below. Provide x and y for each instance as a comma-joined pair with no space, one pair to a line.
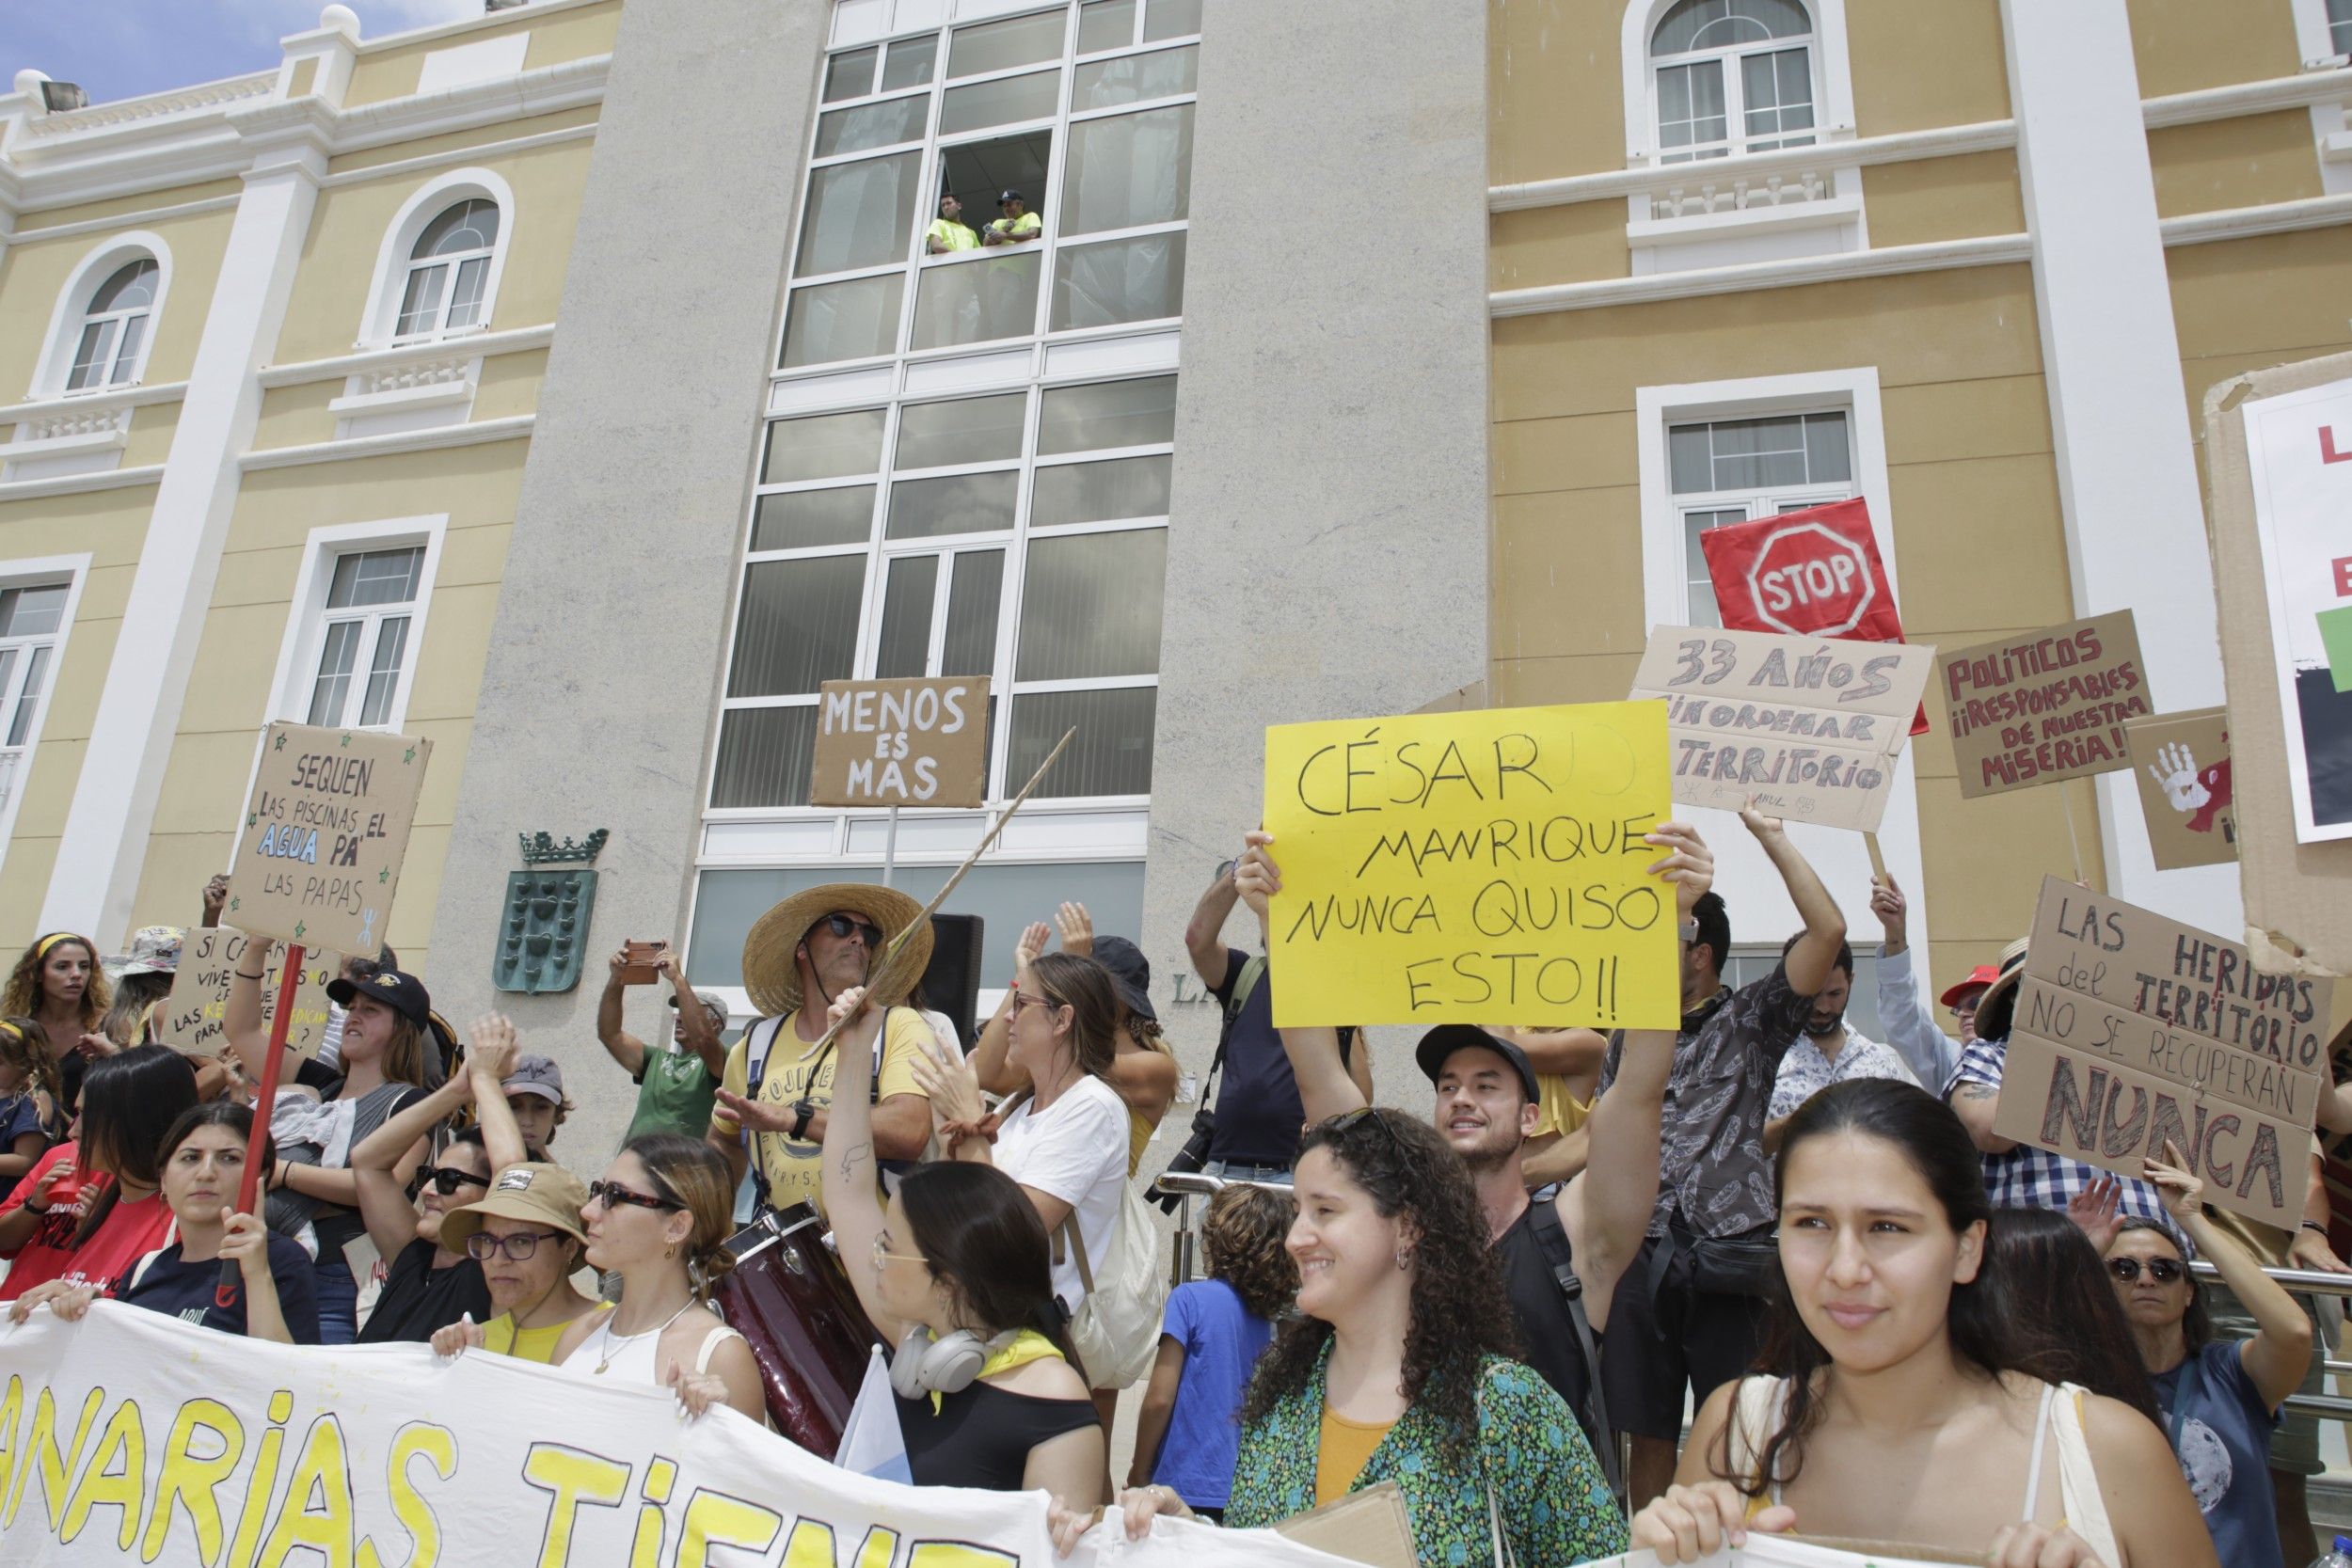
1341,1457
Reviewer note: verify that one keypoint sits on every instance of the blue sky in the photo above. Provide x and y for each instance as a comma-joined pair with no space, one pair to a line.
128,48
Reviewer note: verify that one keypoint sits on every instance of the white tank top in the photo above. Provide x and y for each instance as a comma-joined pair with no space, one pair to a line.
636,1357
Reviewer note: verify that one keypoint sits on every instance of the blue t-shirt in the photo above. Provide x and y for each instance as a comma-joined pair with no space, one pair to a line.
169,1283
1222,1341
2221,1432
19,1113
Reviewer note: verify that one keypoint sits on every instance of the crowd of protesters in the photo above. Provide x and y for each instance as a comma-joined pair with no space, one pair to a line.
1663,1288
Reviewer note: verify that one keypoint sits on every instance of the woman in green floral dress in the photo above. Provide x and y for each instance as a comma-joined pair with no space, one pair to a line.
1397,1368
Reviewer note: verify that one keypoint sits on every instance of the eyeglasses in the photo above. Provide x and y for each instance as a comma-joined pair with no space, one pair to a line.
481,1246
446,1179
842,925
2164,1270
613,1196
881,1257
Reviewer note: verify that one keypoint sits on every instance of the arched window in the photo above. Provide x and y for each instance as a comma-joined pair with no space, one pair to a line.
114,327
448,271
1732,76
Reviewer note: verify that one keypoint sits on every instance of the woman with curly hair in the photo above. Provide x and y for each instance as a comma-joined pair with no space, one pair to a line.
1214,1332
1396,1369
57,984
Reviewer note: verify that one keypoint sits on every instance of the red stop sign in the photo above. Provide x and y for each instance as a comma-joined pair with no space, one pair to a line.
1808,580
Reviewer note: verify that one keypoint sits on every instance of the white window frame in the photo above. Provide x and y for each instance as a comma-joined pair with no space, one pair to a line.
2331,128
1760,908
1755,501
72,312
1832,80
74,570
306,623
424,204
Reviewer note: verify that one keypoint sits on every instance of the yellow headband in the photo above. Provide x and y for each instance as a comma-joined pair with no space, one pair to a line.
9,1031
42,949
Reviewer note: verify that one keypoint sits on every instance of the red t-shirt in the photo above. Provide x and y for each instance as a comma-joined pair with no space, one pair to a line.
129,1232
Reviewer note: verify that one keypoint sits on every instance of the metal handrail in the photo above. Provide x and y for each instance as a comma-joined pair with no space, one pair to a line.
2310,1281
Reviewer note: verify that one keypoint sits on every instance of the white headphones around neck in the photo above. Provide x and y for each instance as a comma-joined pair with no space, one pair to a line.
925,1365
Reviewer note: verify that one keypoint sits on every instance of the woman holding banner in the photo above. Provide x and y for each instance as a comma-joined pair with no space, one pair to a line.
1896,1361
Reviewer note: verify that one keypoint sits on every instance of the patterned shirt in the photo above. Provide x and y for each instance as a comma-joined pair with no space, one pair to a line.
2032,1178
1805,1072
1713,1174
1531,1458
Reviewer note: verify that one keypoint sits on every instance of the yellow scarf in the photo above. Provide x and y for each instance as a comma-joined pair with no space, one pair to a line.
1027,1346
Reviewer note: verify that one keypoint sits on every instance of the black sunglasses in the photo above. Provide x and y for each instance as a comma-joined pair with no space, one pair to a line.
1346,1121
612,1195
2164,1270
446,1179
842,925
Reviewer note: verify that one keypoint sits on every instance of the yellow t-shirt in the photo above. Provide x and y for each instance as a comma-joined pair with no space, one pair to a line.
501,1337
792,1164
1028,223
1346,1448
954,235
1556,1109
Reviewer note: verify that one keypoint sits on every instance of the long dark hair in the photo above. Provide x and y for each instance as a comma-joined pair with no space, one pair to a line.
2056,1299
2196,1321
1085,988
1459,1314
215,1113
1925,1131
130,1101
981,1238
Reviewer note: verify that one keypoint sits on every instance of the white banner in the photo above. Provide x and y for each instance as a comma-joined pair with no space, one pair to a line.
131,1436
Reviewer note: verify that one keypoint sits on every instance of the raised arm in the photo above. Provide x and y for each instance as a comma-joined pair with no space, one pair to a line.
849,1176
2279,1353
489,1061
1903,1016
1326,1087
385,1207
1204,934
991,1058
622,1046
241,1015
1815,955
696,1029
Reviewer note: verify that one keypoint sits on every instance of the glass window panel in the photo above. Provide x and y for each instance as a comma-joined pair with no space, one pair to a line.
32,612
468,225
7,669
974,596
804,519
1100,492
1128,170
824,445
856,319
1002,45
464,303
1111,753
1126,280
1108,414
764,757
1171,19
905,646
1105,25
798,628
1702,609
999,103
1826,457
1720,23
977,302
959,503
1687,458
967,430
421,306
336,656
127,357
28,701
133,283
366,578
849,75
391,642
910,62
90,355
2340,26
1691,104
860,215
871,125
1091,606
1133,78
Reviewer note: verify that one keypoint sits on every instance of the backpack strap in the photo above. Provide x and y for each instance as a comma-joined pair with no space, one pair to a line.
1078,1244
757,1043
1543,1218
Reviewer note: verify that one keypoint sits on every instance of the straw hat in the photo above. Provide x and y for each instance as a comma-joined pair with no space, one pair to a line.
1996,1007
774,979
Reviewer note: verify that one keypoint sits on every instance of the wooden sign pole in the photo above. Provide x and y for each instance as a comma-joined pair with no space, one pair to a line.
265,1100
1878,856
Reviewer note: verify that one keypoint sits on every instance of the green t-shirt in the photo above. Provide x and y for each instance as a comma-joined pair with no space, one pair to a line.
674,1093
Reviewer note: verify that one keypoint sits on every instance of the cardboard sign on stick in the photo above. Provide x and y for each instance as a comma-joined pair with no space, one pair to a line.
2132,1029
1472,867
1809,727
318,855
192,1015
2182,763
2048,706
901,743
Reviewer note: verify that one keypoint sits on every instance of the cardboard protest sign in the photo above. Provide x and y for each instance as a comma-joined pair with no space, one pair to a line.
318,859
1472,867
169,1443
901,743
2182,761
2046,706
1809,727
2130,1029
1814,573
193,1014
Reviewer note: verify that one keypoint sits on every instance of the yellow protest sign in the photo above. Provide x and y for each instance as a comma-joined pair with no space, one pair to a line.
1473,867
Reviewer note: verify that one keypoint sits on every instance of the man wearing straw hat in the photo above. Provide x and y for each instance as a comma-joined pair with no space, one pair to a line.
799,956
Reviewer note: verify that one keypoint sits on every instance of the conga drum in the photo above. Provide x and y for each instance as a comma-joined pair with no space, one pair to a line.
788,1298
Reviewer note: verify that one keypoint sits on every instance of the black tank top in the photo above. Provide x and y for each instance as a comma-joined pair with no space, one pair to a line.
981,1437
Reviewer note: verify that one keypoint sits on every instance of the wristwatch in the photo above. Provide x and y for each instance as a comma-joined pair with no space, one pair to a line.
803,1114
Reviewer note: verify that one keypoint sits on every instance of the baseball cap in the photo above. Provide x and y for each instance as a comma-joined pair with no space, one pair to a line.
712,1002
397,990
536,1074
1978,977
546,1194
1010,196
1438,1046
1130,971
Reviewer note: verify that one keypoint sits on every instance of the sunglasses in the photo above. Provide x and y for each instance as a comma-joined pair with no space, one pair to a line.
842,925
1345,1122
1027,999
446,1179
613,1196
481,1246
2164,1270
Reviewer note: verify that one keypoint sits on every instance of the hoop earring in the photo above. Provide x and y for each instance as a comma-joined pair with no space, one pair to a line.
1404,1258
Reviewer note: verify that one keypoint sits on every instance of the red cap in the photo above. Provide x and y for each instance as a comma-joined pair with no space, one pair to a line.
1978,977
